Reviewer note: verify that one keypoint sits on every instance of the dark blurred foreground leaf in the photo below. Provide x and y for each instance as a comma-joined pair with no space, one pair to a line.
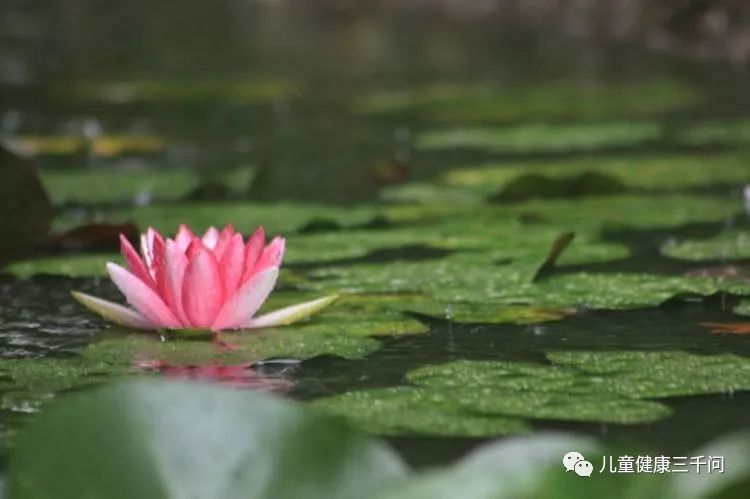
174,440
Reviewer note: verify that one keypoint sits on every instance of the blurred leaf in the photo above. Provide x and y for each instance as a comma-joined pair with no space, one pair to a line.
25,211
175,440
729,245
510,469
541,137
530,186
729,132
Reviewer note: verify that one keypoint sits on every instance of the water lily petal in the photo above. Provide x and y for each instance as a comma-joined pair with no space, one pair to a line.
232,264
225,238
253,250
113,312
202,289
238,310
290,315
137,266
211,237
176,264
272,255
144,299
184,237
151,242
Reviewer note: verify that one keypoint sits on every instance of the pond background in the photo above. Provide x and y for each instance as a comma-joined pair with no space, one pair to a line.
327,103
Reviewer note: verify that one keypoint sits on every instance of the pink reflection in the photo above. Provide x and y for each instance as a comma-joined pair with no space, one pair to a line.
234,376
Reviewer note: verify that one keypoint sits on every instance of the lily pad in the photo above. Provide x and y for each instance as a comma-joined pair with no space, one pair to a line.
730,245
175,439
492,103
138,187
243,347
533,392
276,218
81,265
490,314
541,137
658,374
611,387
647,172
413,411
729,132
456,279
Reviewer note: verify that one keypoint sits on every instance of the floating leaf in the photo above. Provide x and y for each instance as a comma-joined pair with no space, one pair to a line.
486,102
137,187
730,245
729,132
531,186
643,171
541,137
461,279
412,411
728,327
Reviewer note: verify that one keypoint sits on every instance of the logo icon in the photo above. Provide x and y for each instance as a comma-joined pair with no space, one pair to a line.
584,468
574,461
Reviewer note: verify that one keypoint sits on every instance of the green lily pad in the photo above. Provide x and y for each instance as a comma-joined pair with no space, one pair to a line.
413,411
244,347
491,103
27,383
729,132
533,392
107,186
730,245
490,314
280,218
658,374
649,172
457,279
81,265
176,440
496,397
541,137
611,387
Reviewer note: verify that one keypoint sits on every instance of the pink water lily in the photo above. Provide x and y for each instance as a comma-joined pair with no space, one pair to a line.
215,282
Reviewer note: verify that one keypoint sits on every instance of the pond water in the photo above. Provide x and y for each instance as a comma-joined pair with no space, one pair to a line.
422,166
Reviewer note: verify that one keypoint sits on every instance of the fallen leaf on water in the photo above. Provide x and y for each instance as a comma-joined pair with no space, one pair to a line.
92,237
728,327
